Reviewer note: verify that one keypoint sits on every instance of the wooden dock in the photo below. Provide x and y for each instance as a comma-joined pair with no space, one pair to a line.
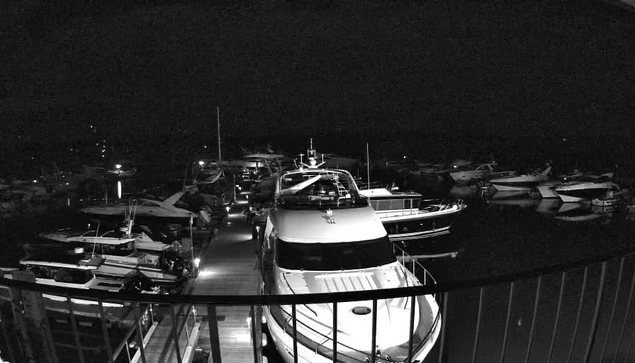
228,266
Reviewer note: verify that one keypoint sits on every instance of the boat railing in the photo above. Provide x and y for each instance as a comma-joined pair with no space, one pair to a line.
413,264
438,205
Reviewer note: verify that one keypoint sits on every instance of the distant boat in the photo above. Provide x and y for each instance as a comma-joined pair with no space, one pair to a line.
584,190
524,182
144,208
480,172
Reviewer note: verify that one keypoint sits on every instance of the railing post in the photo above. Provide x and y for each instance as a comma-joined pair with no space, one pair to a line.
533,319
104,330
596,314
617,294
295,333
256,339
577,318
78,343
214,337
373,350
411,326
175,335
509,313
443,325
478,323
137,318
563,280
628,312
335,332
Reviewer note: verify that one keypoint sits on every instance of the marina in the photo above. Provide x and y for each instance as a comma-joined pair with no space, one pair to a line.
229,260
308,182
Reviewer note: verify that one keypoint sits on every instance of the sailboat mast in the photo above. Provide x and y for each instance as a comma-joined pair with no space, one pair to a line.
220,159
368,166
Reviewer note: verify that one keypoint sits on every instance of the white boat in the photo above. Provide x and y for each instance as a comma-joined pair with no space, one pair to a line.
76,271
125,252
524,182
584,190
322,236
405,217
145,208
480,172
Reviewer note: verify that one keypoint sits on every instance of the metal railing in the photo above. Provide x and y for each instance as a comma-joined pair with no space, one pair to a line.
575,312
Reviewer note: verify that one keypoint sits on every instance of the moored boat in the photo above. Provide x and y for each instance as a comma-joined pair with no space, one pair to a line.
322,236
124,252
405,217
74,271
524,182
480,172
584,190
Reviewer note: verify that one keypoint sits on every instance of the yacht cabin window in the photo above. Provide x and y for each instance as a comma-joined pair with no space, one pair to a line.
334,256
124,249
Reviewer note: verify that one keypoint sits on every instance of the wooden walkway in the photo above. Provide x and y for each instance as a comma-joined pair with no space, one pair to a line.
228,266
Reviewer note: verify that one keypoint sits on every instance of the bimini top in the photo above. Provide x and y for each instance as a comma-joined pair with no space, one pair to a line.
328,225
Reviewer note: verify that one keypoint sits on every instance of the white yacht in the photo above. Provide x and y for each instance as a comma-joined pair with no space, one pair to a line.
124,252
405,217
73,271
322,236
480,172
524,182
584,190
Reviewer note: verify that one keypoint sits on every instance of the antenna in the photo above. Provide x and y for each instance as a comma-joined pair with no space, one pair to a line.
220,159
368,166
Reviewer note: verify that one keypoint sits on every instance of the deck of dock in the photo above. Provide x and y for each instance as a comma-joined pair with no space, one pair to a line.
228,266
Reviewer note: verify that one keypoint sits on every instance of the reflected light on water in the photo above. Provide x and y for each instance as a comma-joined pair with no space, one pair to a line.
119,189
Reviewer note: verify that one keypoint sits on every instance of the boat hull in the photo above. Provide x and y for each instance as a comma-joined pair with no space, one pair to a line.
512,187
419,225
584,191
310,351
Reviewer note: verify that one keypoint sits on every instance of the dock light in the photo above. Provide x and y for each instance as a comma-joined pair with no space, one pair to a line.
78,250
119,189
227,209
117,166
197,262
35,181
201,163
263,339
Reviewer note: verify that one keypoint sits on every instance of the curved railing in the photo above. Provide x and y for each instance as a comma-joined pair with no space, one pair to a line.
475,336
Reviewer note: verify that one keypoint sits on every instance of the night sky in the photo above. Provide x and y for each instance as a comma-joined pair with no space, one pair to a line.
431,79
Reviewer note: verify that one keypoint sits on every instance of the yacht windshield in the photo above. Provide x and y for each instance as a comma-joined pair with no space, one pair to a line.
319,189
334,256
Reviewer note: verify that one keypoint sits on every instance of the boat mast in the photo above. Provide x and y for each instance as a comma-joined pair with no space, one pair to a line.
367,166
220,159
